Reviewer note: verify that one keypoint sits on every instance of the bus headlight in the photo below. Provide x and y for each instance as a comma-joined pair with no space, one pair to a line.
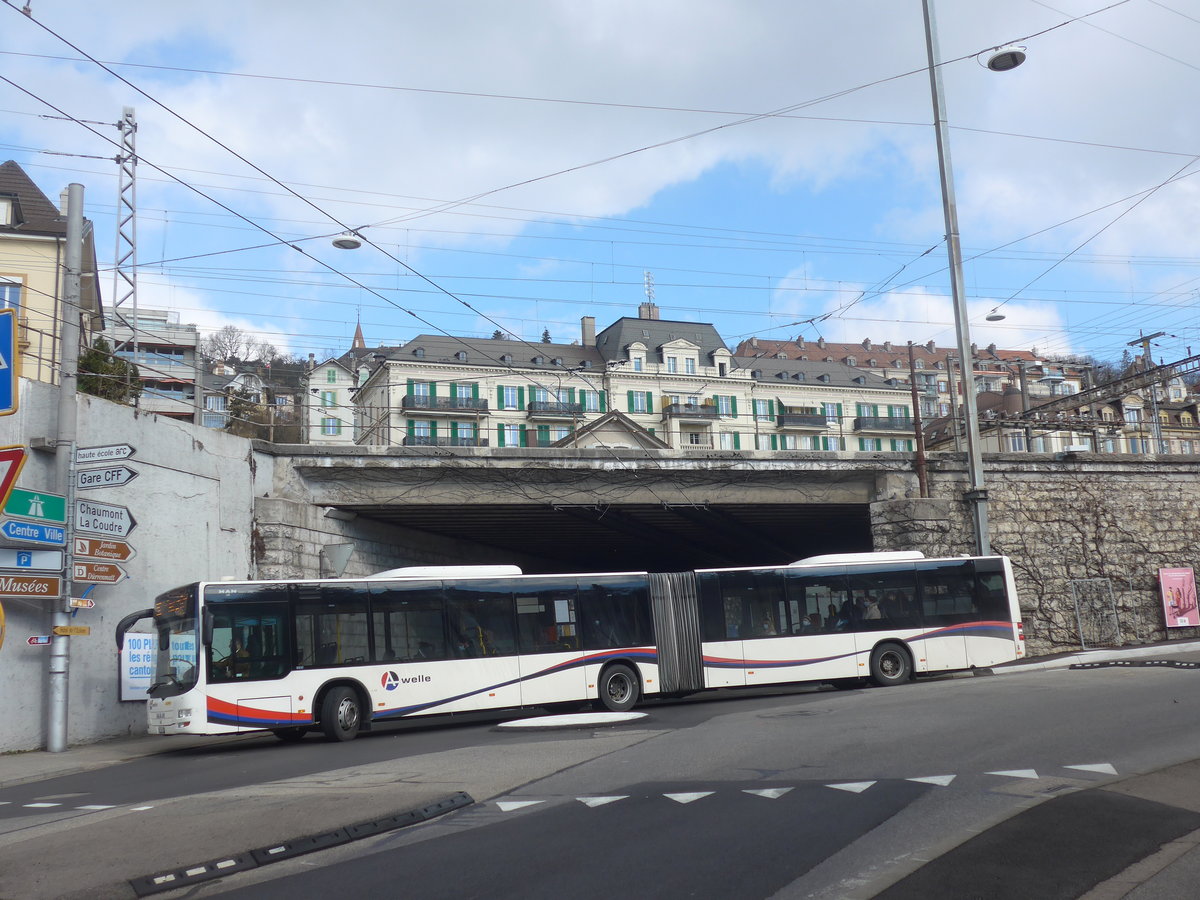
185,714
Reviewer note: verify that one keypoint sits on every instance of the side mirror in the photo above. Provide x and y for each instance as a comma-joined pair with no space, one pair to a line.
206,628
128,622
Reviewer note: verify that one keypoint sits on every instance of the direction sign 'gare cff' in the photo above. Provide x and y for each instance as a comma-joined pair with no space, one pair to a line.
109,476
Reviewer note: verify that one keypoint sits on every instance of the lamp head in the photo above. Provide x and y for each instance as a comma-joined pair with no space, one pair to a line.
347,240
1001,59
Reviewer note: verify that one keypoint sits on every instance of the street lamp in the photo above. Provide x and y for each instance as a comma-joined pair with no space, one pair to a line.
1000,60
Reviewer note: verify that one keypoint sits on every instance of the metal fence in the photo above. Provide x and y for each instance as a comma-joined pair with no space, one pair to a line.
1096,613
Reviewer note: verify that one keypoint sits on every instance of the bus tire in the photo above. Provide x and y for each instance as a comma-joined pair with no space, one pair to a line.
341,714
619,688
290,735
890,665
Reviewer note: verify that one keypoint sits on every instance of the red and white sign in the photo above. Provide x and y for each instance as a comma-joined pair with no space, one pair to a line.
11,460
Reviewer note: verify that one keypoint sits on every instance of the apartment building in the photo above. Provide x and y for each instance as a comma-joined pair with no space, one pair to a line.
640,382
33,234
167,354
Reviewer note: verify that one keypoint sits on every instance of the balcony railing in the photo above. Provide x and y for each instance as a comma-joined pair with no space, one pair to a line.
554,409
693,441
424,440
444,404
801,420
689,411
883,423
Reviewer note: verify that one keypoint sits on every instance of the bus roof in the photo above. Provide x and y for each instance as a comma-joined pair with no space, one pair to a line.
449,572
839,559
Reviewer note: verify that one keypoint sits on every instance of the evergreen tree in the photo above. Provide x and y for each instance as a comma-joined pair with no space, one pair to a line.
497,335
102,374
546,336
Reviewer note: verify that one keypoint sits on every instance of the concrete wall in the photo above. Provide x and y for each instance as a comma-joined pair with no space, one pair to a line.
191,500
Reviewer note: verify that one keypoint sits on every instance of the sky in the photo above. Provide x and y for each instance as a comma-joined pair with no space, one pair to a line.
768,166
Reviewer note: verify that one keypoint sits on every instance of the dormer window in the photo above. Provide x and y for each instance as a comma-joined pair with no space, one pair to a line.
461,355
419,352
539,360
506,358
851,361
920,363
823,377
872,363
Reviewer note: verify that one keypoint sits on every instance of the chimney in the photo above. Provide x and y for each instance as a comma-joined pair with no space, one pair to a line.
887,346
800,342
866,344
587,330
647,310
930,347
821,343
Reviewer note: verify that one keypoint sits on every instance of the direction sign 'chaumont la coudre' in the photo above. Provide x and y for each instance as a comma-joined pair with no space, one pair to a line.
103,518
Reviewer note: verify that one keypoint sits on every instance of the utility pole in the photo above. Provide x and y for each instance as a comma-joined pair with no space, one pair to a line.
1147,365
125,300
64,449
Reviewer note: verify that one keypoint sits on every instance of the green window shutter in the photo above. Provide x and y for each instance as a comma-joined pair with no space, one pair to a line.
603,401
774,442
630,397
839,406
500,397
499,435
432,389
717,401
733,406
433,431
737,441
412,427
570,395
410,387
649,401
651,429
771,408
524,436
543,434
453,431
521,397
474,390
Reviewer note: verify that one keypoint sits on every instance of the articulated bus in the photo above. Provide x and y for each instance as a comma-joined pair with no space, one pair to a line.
342,655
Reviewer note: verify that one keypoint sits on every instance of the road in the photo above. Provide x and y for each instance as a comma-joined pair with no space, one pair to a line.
796,793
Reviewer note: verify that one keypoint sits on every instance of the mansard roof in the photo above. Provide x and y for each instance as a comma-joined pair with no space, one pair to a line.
612,341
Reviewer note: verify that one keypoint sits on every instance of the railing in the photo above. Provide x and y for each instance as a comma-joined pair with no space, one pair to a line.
444,404
692,441
554,408
690,411
801,420
883,423
424,440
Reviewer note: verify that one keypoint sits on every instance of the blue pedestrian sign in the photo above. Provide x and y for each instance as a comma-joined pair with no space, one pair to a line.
33,533
9,389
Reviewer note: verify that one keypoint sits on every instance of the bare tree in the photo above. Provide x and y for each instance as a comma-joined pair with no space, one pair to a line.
231,344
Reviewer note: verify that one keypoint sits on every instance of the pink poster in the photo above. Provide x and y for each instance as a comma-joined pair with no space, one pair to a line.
1178,588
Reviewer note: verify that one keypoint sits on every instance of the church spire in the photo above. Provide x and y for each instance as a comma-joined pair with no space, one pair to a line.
358,343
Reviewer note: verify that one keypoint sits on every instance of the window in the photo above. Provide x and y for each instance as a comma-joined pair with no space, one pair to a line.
833,413
730,441
331,625
902,446
1014,442
672,364
409,622
329,398
331,376
726,405
330,426
420,428
764,410
463,391
510,398
546,620
510,436
639,401
251,637
420,389
637,364
590,401
614,612
689,366
10,295
787,442
870,443
479,620
1133,415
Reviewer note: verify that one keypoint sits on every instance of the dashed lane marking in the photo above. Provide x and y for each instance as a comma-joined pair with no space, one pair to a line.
39,805
769,793
1016,773
854,787
1103,768
510,805
593,802
688,797
940,780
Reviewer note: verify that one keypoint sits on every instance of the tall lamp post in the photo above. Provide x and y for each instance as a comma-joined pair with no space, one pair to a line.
1000,60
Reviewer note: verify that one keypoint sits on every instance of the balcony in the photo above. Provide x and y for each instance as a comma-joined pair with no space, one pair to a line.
690,412
554,409
883,423
802,421
447,406
424,440
692,440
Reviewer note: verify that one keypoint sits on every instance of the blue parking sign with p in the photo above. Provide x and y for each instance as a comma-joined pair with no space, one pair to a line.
8,362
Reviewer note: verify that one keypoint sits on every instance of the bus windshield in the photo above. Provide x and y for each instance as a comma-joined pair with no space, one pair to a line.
176,663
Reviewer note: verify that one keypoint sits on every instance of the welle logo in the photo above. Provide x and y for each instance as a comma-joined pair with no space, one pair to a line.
391,681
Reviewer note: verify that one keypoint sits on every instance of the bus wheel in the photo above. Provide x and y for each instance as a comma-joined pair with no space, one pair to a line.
618,688
341,714
890,665
290,735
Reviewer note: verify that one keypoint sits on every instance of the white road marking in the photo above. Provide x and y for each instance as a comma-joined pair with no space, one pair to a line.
1016,773
593,802
942,780
769,793
1103,768
510,805
854,787
94,806
141,808
40,805
688,798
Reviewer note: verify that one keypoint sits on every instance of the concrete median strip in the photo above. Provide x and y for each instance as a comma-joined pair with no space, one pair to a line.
160,882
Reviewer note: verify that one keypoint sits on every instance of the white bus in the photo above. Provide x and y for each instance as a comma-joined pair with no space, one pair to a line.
343,655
